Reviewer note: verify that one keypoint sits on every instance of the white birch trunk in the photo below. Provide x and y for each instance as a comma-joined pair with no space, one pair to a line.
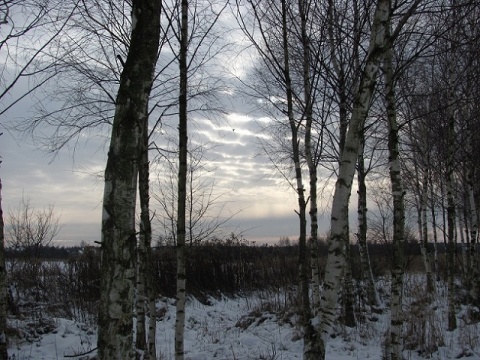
451,245
182,186
397,317
144,340
310,345
367,274
339,219
309,156
463,230
450,184
434,226
152,309
475,292
338,66
115,335
424,232
421,205
141,336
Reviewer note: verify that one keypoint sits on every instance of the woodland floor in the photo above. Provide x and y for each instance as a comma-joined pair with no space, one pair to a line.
260,326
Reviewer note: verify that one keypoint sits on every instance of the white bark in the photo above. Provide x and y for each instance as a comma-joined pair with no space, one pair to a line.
309,156
473,271
145,342
309,344
182,186
152,309
424,232
367,273
339,226
450,184
115,335
141,299
396,309
434,226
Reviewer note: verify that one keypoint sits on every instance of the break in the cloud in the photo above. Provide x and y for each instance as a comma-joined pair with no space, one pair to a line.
240,171
245,179
249,185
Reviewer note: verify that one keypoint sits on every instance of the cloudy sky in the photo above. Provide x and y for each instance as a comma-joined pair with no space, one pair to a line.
250,187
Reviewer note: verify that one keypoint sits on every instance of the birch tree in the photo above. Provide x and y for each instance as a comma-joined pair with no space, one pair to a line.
468,110
345,62
451,217
145,341
310,350
182,181
310,152
396,319
335,266
293,103
373,297
115,338
442,92
191,34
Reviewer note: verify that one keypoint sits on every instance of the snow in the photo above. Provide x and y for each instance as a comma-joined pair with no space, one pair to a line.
249,327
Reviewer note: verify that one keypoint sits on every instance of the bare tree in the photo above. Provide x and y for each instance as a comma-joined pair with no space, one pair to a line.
145,341
396,320
285,73
29,29
31,229
115,337
182,183
206,212
81,100
189,36
335,266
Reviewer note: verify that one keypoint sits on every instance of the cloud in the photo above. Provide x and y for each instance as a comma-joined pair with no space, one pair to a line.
236,164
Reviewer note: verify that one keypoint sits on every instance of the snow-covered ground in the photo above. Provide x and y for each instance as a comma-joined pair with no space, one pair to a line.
244,328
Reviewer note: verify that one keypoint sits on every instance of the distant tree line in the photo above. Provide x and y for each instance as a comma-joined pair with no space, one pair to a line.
49,252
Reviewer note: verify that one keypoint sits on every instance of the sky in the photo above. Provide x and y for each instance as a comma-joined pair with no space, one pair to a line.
249,188
262,201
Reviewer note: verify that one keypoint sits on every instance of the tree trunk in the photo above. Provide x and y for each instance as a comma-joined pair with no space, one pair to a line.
182,186
450,184
144,340
424,242
3,286
435,235
451,245
335,266
115,339
465,242
348,291
338,66
397,318
367,275
421,203
152,309
309,155
141,335
475,281
309,348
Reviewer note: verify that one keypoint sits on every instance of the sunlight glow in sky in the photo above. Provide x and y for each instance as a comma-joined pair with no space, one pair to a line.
72,181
